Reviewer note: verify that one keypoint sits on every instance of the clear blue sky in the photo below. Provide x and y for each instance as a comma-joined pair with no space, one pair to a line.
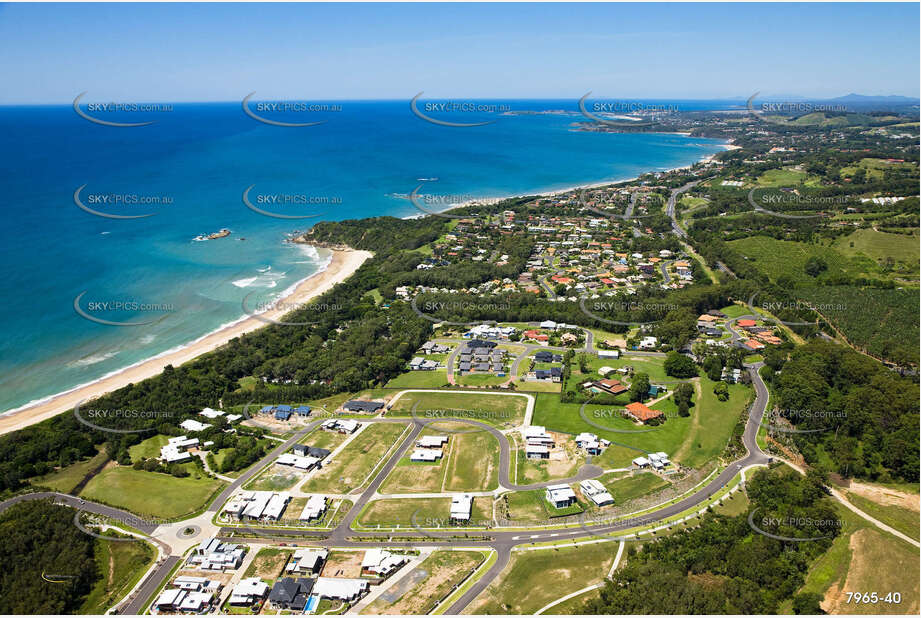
220,52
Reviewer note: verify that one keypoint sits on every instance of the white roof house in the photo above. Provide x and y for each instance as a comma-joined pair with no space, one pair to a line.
560,495
461,505
276,506
193,425
256,504
248,591
170,598
425,454
175,449
641,462
431,441
307,560
298,461
315,507
340,588
210,413
195,601
596,492
215,555
536,434
379,561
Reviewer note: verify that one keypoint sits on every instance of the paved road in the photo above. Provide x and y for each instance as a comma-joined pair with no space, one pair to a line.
150,586
664,267
129,519
501,541
725,269
670,207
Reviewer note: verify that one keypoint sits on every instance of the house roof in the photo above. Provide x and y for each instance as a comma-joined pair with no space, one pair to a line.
641,411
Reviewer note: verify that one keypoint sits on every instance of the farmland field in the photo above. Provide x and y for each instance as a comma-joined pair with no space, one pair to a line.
777,258
860,312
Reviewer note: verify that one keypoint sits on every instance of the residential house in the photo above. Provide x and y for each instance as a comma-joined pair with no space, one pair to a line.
381,562
307,561
249,592
596,492
560,496
642,413
289,593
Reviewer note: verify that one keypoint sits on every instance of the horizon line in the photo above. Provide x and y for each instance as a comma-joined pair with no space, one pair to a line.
741,98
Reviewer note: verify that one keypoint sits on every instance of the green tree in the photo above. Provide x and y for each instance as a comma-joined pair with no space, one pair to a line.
815,266
680,366
639,387
721,391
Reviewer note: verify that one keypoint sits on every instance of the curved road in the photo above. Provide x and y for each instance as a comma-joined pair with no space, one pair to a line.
500,541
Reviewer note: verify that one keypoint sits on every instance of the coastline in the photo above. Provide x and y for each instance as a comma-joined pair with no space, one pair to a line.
342,264
486,201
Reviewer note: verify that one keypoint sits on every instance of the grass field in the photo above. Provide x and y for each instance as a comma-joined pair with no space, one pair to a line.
782,178
420,379
880,245
533,579
268,563
66,479
480,379
149,448
321,438
150,493
425,512
902,519
691,440
352,466
852,564
443,570
121,565
275,478
531,507
777,258
501,411
417,476
474,462
625,487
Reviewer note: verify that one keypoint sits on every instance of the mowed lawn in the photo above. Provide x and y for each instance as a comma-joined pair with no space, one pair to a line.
420,379
440,572
691,440
151,493
421,512
533,579
352,466
493,409
625,487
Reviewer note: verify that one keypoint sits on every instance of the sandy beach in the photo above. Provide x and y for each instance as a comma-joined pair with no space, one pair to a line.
341,266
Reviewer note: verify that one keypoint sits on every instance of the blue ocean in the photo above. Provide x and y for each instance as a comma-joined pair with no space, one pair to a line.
189,170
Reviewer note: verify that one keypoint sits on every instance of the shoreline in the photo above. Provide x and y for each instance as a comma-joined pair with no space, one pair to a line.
341,265
488,201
